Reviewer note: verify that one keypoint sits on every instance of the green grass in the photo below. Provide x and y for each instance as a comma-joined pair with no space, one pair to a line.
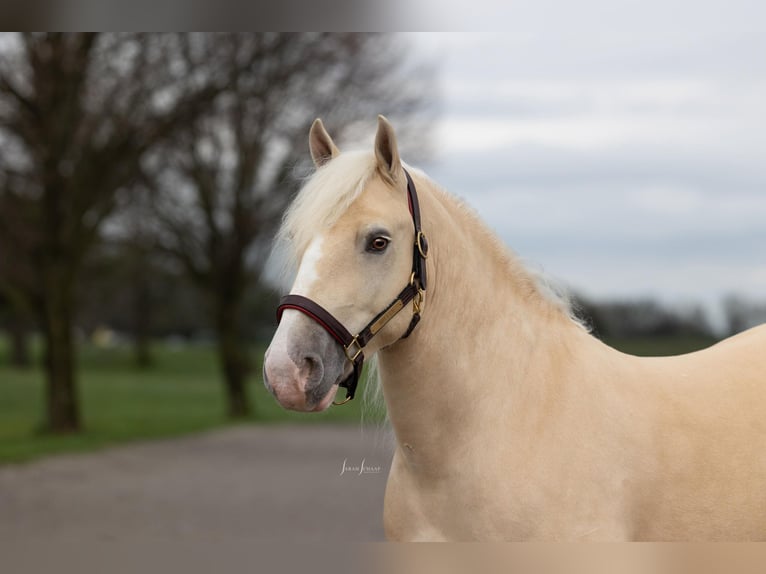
181,393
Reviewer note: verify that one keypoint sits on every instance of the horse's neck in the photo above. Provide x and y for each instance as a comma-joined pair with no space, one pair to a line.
487,342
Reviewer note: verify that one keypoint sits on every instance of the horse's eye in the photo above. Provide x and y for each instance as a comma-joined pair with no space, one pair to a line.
378,244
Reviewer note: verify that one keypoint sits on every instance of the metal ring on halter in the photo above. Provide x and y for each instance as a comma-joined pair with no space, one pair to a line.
343,402
422,244
417,301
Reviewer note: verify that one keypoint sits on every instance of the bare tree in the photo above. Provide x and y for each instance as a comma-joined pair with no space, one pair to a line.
77,114
17,278
15,320
225,181
742,313
642,318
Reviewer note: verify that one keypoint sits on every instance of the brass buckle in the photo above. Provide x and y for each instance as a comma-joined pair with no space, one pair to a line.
343,402
422,247
353,357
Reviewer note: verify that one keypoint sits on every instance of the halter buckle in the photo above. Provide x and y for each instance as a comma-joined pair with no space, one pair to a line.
347,350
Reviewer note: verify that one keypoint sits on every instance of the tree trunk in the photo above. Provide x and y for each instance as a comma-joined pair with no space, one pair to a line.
233,358
62,404
141,318
142,351
19,340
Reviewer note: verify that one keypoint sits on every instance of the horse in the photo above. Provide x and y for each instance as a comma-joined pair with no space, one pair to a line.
512,421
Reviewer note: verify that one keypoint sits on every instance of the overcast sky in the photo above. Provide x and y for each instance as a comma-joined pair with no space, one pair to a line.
624,154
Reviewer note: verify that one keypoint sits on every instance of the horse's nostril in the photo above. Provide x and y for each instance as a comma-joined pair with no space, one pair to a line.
312,369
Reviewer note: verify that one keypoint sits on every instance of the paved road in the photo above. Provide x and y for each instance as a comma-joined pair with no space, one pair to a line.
243,484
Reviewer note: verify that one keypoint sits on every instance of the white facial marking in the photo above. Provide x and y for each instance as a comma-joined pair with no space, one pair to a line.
307,273
307,276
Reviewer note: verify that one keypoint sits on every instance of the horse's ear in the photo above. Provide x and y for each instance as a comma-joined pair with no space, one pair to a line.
387,152
323,149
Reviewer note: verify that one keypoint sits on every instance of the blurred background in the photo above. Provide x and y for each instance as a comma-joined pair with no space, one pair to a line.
142,179
143,176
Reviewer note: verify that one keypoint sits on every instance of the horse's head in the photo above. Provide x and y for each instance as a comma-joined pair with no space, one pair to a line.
352,233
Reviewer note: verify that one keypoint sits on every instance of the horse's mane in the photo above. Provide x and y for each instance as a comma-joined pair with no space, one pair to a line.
528,276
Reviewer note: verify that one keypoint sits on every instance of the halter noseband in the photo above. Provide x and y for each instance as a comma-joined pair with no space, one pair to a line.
353,345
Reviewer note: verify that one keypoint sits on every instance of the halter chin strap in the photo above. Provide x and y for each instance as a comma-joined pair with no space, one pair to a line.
353,345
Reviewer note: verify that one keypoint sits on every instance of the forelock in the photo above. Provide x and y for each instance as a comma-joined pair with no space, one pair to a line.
325,196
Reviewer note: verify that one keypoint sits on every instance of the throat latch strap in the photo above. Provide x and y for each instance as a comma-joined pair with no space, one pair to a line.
420,253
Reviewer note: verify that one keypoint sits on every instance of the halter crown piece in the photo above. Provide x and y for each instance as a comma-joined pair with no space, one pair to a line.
353,345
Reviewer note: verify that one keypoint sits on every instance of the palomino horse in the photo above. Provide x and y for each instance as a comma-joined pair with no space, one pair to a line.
512,422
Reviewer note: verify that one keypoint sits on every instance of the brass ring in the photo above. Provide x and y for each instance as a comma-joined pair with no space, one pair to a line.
417,301
422,244
343,402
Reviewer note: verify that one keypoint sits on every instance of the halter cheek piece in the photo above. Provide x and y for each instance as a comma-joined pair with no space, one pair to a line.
353,345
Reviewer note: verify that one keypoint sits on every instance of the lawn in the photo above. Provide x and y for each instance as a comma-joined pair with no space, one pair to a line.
181,393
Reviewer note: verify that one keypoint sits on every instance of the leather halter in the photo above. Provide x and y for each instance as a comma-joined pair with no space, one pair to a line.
353,345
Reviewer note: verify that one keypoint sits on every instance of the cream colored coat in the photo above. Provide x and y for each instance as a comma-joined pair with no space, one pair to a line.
513,423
